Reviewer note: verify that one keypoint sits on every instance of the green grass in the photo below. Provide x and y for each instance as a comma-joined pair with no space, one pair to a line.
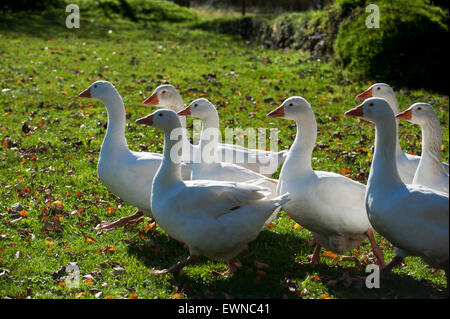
50,144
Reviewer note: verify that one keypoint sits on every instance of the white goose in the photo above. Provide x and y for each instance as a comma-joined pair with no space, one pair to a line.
208,166
414,218
406,163
430,172
330,205
260,161
215,219
125,173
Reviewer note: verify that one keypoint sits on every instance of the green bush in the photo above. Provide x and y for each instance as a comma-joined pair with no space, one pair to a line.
410,47
349,4
153,10
26,5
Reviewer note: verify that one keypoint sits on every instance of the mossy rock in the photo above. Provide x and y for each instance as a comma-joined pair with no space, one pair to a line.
409,49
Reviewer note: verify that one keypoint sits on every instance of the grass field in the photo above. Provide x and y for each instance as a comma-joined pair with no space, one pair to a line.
51,140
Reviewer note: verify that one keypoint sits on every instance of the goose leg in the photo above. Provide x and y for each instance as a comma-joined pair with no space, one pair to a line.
378,252
231,269
394,262
132,219
177,267
315,260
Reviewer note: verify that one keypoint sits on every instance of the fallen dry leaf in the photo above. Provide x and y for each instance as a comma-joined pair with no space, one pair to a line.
24,213
88,238
298,226
150,226
80,294
330,254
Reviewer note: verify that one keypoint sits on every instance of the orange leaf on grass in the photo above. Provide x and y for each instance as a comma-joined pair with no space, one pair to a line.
80,294
132,296
298,226
325,296
141,234
330,254
88,238
150,226
176,296
110,248
24,213
345,171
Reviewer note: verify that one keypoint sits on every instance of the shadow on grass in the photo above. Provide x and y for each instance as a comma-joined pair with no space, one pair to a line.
279,252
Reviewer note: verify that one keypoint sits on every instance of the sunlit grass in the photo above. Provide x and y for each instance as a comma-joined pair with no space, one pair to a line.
50,143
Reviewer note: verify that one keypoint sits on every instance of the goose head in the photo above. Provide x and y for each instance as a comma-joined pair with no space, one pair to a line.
294,108
165,96
163,119
98,90
418,113
373,109
381,90
200,108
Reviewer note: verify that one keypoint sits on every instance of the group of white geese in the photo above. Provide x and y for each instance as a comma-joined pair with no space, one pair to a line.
216,208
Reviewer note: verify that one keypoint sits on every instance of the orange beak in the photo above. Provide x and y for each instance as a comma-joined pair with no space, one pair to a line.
152,100
357,111
405,115
185,112
365,95
86,93
148,120
278,112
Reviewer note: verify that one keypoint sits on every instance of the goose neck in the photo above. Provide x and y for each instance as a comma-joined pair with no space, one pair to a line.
169,172
432,140
303,146
384,170
393,103
209,138
115,133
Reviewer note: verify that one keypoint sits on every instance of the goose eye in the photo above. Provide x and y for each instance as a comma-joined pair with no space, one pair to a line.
290,104
378,88
195,105
370,104
163,92
419,108
95,85
160,114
